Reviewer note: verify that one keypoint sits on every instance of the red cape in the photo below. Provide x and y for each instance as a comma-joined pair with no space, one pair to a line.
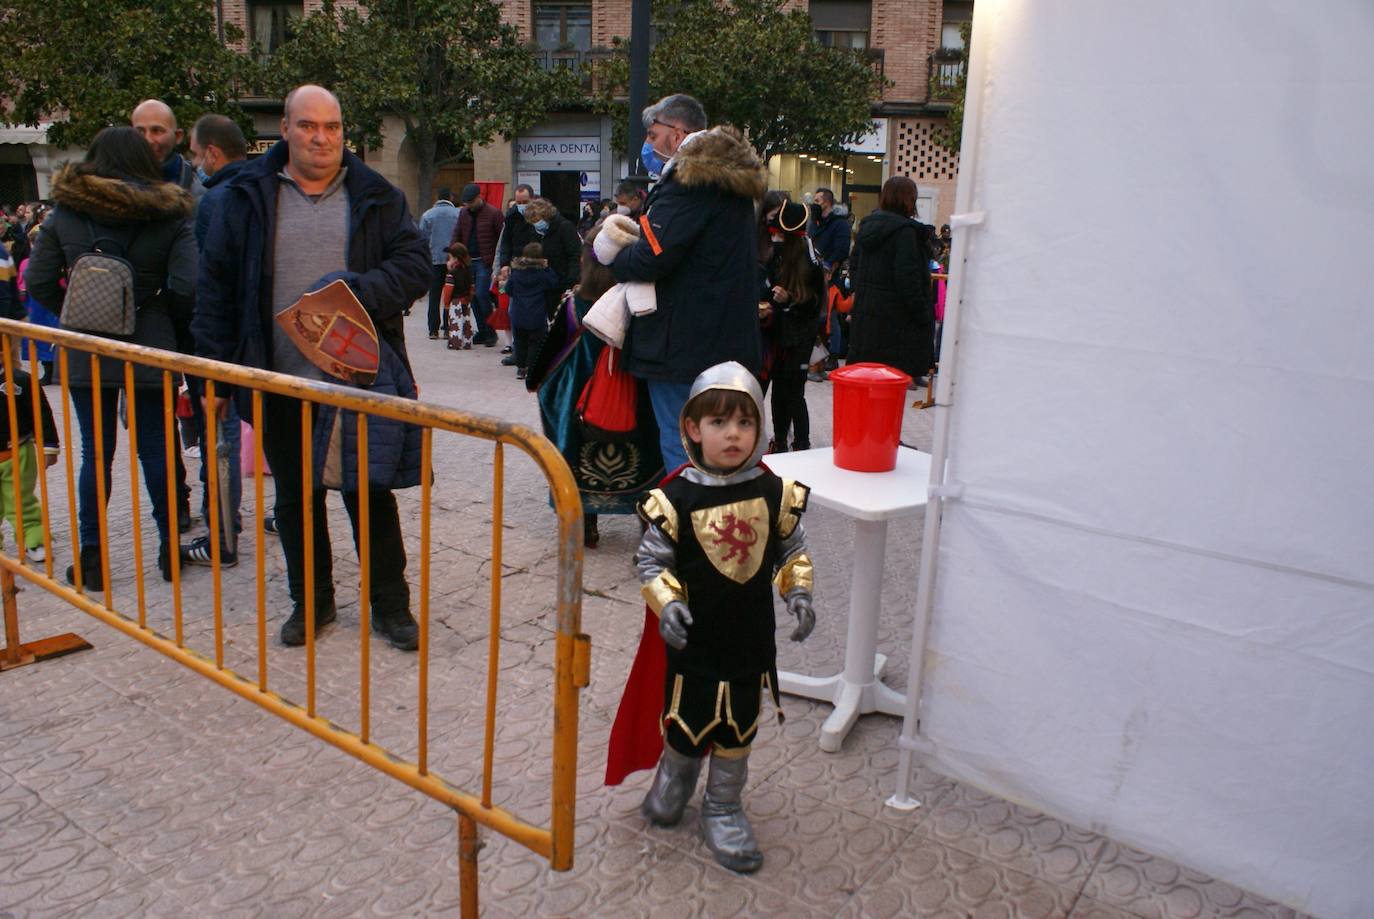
636,736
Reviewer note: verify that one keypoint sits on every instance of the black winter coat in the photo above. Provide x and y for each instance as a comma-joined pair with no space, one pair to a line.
893,319
562,250
151,224
699,247
388,263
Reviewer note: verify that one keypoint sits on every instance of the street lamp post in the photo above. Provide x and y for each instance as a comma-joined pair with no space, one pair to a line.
640,13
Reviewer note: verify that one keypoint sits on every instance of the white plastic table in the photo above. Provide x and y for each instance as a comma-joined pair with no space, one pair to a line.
872,499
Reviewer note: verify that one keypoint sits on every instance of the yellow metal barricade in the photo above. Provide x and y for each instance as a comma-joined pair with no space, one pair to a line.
572,649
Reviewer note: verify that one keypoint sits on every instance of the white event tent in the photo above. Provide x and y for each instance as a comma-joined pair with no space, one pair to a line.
1148,594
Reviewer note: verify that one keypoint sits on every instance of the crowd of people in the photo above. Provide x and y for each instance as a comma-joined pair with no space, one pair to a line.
718,290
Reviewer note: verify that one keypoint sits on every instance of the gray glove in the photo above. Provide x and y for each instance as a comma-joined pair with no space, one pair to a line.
799,605
673,623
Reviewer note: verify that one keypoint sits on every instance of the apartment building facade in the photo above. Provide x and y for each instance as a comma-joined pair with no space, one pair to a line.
570,157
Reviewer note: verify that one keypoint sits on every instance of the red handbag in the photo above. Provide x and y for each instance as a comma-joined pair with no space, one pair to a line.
608,404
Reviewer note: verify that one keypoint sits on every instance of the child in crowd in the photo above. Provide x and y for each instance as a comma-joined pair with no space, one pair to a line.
530,286
24,458
457,298
721,531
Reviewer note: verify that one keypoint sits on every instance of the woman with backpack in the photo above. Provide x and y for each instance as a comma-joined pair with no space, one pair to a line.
115,202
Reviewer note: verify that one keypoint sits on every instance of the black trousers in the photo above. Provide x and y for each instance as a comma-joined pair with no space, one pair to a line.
436,297
281,443
789,399
527,345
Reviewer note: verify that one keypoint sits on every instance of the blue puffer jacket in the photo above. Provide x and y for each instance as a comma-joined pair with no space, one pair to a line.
393,447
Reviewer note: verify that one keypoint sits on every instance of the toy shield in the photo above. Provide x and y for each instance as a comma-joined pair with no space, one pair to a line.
334,332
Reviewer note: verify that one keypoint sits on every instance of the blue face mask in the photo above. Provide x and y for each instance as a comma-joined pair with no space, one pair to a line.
202,175
541,227
520,208
653,163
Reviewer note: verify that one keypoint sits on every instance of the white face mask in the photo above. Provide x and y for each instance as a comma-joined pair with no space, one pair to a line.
622,210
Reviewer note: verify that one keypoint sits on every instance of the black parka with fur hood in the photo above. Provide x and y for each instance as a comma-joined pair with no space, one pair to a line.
151,225
697,244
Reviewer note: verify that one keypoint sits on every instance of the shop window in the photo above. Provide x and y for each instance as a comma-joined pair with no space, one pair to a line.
842,23
272,25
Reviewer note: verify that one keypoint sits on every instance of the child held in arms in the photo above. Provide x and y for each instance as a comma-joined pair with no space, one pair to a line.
721,532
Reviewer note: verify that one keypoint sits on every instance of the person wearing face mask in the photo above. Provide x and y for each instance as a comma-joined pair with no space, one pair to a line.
479,229
629,199
560,242
697,247
516,234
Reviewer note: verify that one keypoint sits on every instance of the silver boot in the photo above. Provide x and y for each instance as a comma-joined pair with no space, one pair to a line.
728,833
673,786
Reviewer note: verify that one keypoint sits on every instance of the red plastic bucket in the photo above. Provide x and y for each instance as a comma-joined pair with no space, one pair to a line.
869,400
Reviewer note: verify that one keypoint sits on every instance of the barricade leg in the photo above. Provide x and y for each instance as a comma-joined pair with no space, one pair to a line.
467,866
15,654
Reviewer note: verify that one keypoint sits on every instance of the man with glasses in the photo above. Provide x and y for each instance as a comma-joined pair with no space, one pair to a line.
697,245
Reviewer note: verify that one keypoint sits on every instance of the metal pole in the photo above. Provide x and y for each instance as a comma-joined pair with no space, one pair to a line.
641,12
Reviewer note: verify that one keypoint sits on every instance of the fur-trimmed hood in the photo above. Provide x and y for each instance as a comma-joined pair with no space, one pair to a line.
721,157
520,262
114,199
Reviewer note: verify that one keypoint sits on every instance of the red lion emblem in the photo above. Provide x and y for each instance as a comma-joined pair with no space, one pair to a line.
738,543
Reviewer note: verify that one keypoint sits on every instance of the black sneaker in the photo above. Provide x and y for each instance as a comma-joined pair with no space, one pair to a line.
269,525
508,361
520,374
399,628
507,349
198,553
293,629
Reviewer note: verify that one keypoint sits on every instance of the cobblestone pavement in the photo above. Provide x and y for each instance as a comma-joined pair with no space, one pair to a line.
130,786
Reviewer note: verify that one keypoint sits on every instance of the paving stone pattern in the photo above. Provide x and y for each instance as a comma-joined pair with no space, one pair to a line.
130,786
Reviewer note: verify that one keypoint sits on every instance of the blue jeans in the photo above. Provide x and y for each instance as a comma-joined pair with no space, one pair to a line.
668,400
233,438
152,455
481,301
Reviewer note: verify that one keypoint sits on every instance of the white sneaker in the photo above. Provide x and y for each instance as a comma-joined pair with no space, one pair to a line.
192,451
38,555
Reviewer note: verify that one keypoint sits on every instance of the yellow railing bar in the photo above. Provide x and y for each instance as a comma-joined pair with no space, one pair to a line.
209,449
308,531
364,586
259,549
570,657
133,494
12,403
169,422
102,484
71,469
422,708
498,502
39,445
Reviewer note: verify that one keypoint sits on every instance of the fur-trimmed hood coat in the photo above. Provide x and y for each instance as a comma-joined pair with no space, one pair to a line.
147,224
698,247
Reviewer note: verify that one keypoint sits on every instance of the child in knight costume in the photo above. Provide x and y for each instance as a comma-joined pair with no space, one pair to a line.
720,532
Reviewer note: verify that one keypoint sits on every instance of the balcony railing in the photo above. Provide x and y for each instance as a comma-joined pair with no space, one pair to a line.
946,70
568,60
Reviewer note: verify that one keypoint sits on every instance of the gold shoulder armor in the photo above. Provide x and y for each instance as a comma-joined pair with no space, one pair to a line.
658,510
794,497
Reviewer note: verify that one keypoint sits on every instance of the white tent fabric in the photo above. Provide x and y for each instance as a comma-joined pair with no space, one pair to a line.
1154,605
